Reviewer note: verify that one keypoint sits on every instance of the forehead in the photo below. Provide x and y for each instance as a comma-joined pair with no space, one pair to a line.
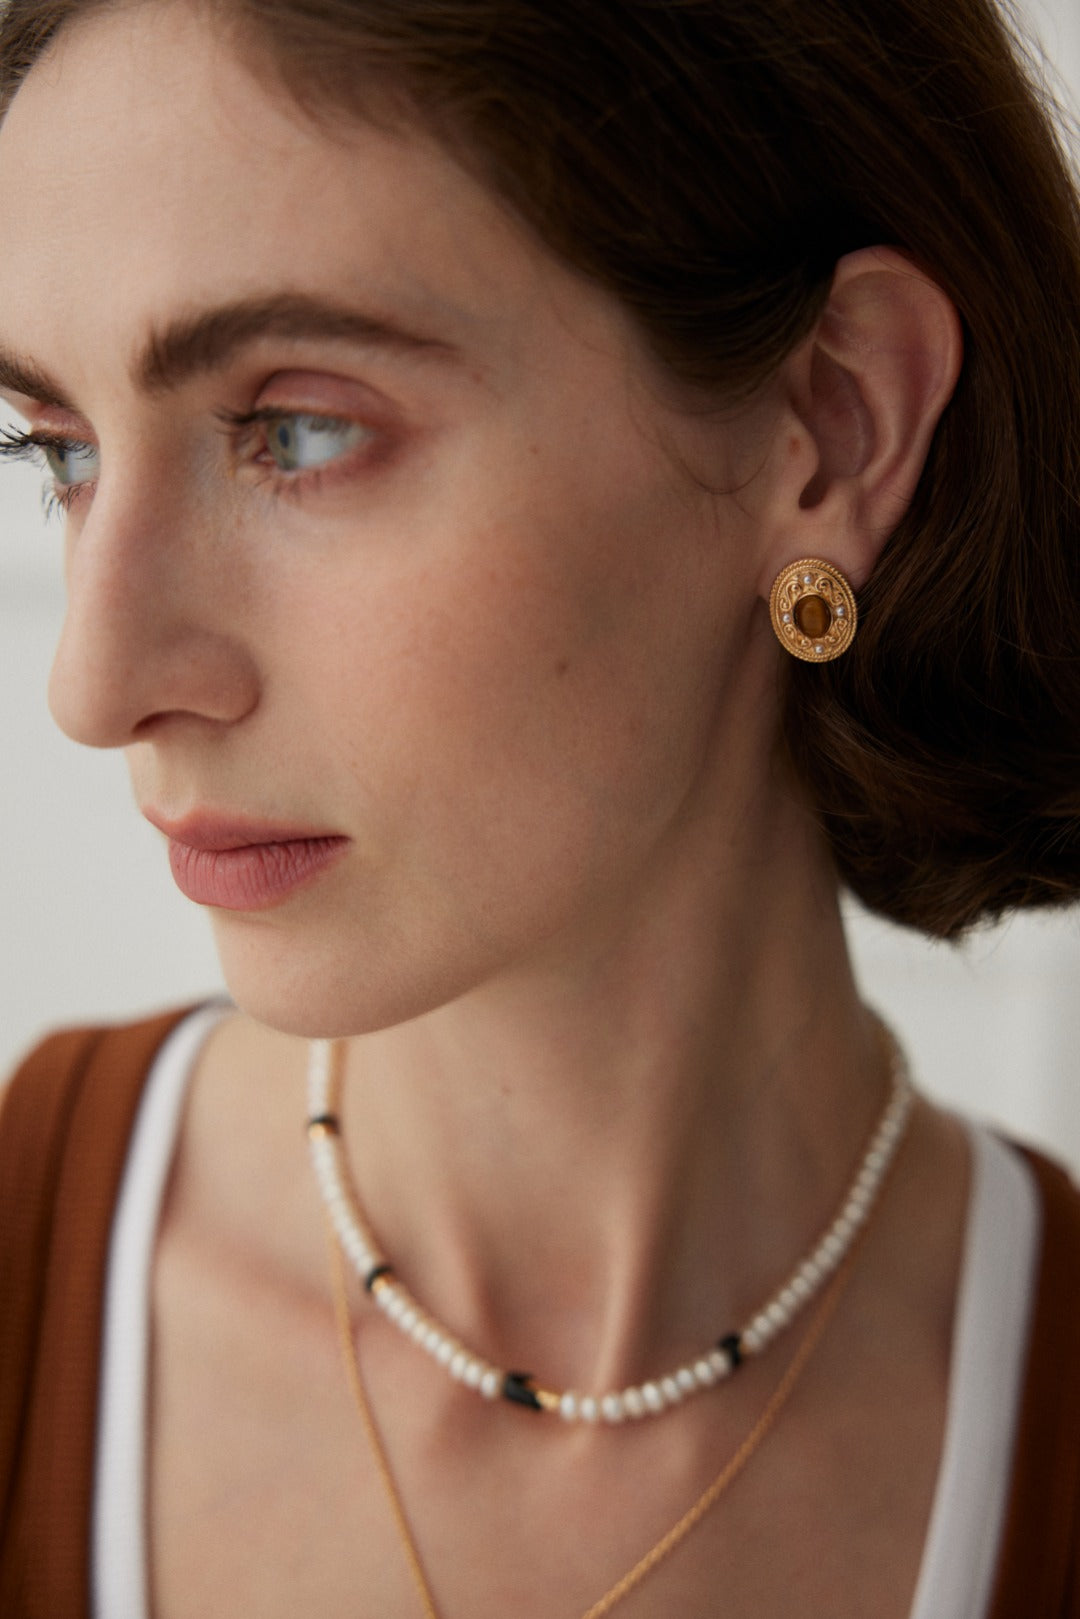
144,169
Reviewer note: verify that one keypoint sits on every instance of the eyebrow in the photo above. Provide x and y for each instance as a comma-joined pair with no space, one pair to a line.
21,376
206,341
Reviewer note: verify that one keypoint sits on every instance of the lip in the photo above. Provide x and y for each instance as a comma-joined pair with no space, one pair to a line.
237,864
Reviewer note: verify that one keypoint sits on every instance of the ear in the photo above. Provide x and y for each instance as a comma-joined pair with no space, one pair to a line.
861,400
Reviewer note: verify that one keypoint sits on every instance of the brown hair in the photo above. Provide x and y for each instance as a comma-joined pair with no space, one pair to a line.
708,161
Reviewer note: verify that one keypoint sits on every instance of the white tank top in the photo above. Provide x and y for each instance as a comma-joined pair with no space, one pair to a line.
996,1284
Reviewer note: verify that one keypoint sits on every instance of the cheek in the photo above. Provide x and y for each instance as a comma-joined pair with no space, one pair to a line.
544,689
505,717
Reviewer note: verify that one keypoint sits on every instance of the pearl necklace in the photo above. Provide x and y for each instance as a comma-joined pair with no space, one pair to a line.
719,1361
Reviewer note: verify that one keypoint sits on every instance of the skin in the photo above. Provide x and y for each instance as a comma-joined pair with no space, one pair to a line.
607,1069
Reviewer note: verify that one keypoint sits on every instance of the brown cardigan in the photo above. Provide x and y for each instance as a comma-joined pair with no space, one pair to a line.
63,1143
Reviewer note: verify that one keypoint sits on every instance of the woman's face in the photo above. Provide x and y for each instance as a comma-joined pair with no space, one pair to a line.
379,527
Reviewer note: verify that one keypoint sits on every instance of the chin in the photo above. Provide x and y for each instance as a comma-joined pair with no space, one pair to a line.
315,988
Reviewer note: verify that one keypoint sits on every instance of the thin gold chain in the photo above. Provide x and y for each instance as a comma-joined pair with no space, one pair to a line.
352,1371
674,1536
730,1472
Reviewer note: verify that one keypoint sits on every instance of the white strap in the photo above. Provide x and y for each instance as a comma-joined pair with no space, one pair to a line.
118,1546
985,1378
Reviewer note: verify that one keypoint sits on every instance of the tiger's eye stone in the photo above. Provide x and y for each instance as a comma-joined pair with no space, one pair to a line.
812,615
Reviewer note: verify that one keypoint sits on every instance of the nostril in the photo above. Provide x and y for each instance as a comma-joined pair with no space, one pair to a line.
117,679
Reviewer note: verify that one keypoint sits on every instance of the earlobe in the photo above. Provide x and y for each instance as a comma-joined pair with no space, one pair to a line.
867,390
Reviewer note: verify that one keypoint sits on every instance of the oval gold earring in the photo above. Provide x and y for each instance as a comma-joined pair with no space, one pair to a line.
813,610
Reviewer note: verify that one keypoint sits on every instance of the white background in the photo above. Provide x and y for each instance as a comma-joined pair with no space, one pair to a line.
93,927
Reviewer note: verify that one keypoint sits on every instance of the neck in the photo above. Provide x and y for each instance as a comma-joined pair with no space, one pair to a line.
599,1161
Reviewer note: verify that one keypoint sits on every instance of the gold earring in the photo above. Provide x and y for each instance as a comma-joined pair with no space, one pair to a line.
813,610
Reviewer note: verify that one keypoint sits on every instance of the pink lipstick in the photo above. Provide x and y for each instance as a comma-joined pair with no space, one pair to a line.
244,866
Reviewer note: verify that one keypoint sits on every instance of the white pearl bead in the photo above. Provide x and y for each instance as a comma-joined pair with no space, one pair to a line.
633,1403
446,1352
776,1315
612,1408
569,1408
686,1379
652,1396
357,1253
458,1366
409,1318
590,1409
671,1391
720,1361
418,1332
491,1384
705,1374
474,1371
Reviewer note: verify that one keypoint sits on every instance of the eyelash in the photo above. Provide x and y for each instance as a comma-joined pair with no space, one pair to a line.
239,425
17,446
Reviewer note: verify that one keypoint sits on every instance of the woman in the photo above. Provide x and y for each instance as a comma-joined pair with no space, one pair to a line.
447,405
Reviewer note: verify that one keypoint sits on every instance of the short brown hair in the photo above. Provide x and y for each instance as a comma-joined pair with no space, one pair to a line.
708,162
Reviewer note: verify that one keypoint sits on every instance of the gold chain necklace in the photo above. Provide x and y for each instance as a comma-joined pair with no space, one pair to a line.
674,1536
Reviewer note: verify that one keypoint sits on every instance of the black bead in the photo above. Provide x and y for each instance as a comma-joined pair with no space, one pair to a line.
373,1275
517,1386
329,1121
732,1344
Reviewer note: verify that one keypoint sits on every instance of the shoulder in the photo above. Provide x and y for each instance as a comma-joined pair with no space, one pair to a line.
1040,1564
1055,1283
75,1082
64,1137
1059,1202
73,1047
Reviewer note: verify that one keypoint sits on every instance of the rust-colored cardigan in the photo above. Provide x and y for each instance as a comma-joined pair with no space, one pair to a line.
63,1142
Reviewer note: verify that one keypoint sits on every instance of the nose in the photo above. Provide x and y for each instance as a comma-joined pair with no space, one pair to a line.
148,633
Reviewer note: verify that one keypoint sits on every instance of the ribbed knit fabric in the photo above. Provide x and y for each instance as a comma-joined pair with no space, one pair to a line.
1039,1566
64,1130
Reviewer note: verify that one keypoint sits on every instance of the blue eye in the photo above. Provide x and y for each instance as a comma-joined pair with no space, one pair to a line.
297,443
72,463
